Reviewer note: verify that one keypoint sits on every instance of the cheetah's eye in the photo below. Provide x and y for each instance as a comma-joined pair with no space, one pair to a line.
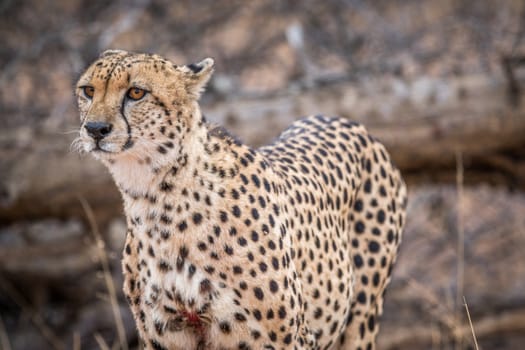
89,91
136,93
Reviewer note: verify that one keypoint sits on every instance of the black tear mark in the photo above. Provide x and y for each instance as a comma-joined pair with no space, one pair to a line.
129,141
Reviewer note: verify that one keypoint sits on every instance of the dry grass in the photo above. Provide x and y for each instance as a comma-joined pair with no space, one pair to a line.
103,258
101,342
447,313
10,290
76,341
470,324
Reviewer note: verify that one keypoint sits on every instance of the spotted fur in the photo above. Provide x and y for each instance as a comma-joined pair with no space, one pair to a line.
289,246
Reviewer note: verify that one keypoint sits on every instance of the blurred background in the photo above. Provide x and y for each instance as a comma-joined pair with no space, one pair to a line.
439,82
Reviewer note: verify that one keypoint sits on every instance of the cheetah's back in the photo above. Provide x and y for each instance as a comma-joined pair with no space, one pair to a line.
345,208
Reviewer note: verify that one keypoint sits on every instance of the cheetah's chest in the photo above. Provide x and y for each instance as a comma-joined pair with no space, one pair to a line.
176,302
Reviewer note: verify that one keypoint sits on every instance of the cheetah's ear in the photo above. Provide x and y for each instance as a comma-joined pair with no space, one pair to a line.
198,75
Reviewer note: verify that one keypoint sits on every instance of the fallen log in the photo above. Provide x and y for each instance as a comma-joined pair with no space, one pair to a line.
425,124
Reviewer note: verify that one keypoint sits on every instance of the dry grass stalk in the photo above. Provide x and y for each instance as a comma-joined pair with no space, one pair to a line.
470,323
101,342
4,338
103,258
35,317
76,341
460,244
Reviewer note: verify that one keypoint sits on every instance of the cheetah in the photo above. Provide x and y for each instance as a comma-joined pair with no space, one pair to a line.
289,246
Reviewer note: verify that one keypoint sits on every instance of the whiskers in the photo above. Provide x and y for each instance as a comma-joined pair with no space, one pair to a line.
144,150
69,132
78,146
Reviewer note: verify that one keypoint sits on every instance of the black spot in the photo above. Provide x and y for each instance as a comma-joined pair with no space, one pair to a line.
275,263
358,261
256,181
334,327
381,216
266,185
165,219
359,227
390,236
236,211
376,279
274,286
258,293
228,249
243,346
273,336
257,314
282,312
373,246
371,323
164,266
151,252
165,186
205,286
156,345
225,327
358,205
368,186
191,270
242,241
197,218
240,317
182,226
269,314
361,297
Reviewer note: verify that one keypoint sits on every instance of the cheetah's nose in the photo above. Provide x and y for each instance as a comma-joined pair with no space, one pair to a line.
98,130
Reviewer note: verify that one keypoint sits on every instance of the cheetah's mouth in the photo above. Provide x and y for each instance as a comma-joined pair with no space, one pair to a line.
103,146
99,147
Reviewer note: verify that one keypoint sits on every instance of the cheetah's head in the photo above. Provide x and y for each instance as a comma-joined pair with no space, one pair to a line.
138,107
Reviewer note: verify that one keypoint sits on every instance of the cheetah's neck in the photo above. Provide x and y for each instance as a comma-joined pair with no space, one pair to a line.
204,163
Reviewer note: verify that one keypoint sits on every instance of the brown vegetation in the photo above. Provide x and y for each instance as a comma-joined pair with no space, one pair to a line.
441,83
